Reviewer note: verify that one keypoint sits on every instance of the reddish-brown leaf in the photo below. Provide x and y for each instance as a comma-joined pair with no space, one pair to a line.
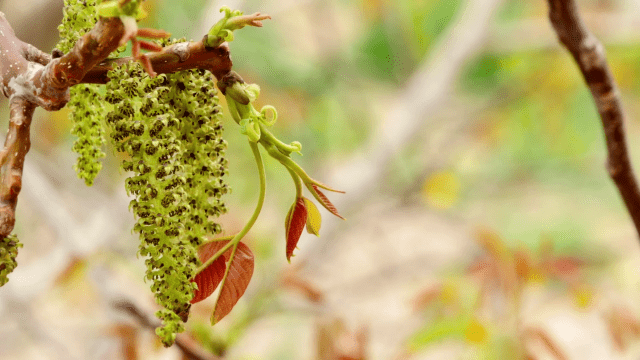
325,202
237,280
491,242
293,280
565,267
295,224
543,338
148,45
210,277
128,335
427,297
240,273
523,265
150,33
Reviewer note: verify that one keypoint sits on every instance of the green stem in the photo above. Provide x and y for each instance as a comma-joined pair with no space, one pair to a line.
287,162
224,238
268,136
297,182
236,239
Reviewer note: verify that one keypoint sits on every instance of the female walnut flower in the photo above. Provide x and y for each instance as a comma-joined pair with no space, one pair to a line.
254,123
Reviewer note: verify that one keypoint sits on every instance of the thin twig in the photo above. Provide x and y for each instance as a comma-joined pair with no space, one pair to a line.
191,349
589,53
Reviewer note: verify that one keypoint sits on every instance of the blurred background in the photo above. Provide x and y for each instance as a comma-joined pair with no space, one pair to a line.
481,223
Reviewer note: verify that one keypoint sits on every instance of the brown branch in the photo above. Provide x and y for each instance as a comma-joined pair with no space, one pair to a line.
589,53
12,157
181,56
29,78
191,349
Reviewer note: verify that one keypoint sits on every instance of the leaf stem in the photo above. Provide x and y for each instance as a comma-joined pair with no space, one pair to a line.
236,239
297,182
224,238
275,141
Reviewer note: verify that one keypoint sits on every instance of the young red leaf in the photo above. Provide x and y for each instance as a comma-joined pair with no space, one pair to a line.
210,277
240,273
148,45
565,267
325,202
236,283
150,33
295,224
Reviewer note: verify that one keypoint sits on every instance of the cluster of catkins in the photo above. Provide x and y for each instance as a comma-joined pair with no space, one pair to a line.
79,16
170,128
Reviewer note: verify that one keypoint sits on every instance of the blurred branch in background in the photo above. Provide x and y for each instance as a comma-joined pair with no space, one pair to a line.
426,93
421,99
23,14
191,349
81,229
589,54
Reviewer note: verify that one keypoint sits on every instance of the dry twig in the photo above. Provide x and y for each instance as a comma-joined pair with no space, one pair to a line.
589,54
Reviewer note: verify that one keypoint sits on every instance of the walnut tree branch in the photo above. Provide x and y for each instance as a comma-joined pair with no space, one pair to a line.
589,54
12,157
31,78
176,57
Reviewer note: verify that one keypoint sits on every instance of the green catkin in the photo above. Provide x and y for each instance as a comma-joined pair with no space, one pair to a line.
86,115
8,253
170,128
79,16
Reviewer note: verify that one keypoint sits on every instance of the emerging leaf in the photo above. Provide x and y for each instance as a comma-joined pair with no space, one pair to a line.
565,267
240,273
209,278
322,198
314,219
238,278
296,221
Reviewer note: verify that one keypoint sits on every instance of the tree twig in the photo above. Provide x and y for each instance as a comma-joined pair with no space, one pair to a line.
191,349
181,56
590,56
12,157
